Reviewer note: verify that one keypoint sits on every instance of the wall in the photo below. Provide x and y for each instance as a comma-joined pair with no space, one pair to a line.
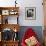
27,3
39,13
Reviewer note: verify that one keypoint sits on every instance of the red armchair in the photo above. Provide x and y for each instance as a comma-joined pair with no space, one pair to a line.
29,36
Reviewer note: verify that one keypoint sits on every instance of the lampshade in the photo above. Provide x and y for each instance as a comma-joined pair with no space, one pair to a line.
15,30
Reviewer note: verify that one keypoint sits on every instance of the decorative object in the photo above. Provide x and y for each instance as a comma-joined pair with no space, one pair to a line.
30,13
7,34
13,12
15,3
6,21
30,38
5,12
31,41
15,37
15,30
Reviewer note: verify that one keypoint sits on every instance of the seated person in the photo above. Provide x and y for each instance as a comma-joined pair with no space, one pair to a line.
30,38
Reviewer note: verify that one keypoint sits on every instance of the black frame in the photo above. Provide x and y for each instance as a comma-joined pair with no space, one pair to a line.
30,13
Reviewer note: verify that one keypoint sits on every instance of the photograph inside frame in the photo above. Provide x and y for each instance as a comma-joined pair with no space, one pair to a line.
30,13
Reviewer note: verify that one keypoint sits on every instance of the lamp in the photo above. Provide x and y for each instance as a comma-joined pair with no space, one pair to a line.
15,35
15,30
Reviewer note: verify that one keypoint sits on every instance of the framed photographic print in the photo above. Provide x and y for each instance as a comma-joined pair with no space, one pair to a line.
30,13
5,12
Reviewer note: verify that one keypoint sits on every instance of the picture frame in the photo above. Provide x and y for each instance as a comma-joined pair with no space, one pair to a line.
5,12
0,36
30,13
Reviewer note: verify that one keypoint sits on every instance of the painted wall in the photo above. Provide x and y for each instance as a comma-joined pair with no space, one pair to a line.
26,3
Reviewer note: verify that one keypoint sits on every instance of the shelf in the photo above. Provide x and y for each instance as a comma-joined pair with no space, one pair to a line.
10,26
9,10
5,12
11,41
9,19
4,8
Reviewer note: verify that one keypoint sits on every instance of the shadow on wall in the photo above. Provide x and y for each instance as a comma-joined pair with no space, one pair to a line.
37,29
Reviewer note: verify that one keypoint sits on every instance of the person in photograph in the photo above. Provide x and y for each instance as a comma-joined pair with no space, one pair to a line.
30,12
